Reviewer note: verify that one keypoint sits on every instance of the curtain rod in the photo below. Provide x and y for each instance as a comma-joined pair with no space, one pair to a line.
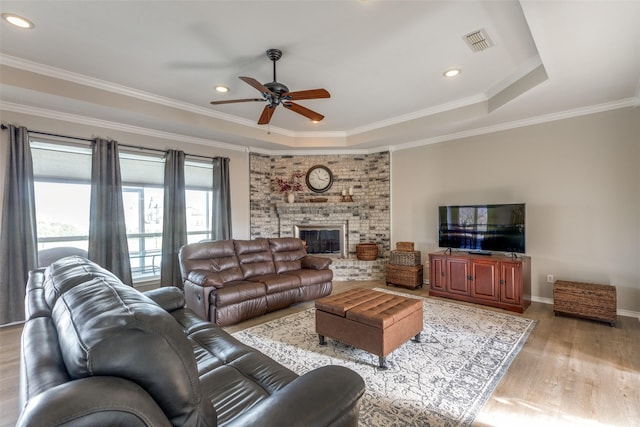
138,147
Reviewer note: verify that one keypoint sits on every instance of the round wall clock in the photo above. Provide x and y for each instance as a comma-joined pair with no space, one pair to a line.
319,178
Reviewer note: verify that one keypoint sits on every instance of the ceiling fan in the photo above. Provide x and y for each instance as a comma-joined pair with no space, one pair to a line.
275,93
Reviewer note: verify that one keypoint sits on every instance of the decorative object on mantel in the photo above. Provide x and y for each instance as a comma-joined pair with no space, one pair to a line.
290,185
346,198
318,199
367,251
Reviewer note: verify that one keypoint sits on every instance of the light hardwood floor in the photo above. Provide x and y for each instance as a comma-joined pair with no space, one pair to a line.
571,372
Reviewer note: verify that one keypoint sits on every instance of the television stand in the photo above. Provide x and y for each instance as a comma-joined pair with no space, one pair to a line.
496,280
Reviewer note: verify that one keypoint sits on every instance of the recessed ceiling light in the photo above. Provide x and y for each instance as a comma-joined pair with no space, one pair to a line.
451,73
17,21
222,89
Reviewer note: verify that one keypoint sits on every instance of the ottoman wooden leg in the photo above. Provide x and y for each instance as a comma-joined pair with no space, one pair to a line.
416,338
321,339
382,363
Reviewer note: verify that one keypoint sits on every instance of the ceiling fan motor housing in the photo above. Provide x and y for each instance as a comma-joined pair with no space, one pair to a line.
277,88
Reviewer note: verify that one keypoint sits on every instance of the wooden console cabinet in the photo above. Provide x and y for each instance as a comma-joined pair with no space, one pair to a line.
495,280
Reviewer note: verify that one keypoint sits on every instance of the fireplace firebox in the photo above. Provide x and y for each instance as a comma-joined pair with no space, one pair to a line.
324,240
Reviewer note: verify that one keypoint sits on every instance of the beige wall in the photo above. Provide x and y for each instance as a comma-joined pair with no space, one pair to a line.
579,177
238,164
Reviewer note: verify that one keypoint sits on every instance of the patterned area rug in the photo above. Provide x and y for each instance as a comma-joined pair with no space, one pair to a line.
442,381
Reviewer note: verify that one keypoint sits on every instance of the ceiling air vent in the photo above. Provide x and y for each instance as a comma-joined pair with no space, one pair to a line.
478,40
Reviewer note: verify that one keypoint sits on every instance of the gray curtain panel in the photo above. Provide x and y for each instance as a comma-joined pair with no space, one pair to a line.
107,231
174,222
221,212
18,239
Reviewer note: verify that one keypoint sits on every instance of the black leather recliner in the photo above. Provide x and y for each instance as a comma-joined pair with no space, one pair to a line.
96,352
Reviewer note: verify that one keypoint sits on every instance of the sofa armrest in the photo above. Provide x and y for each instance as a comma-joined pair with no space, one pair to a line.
170,298
94,401
327,396
205,278
315,262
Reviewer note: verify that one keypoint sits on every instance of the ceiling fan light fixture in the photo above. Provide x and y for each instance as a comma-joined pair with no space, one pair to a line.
452,72
17,21
222,89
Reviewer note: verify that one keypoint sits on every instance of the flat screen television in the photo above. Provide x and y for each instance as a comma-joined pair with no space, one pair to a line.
482,228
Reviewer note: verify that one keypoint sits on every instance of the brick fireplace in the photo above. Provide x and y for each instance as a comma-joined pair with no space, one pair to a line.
366,219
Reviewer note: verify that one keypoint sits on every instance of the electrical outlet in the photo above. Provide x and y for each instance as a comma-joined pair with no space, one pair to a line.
549,278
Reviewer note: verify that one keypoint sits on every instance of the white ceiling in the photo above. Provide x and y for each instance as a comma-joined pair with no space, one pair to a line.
153,64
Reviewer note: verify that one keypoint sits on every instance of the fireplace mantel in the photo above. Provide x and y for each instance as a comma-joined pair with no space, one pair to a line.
317,208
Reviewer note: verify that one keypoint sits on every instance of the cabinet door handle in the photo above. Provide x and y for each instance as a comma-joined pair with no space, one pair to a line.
502,281
469,277
442,273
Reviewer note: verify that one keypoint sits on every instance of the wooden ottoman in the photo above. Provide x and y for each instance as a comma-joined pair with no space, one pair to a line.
586,300
370,320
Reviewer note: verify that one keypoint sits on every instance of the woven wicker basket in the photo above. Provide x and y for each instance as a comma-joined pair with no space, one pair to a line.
589,300
404,246
405,258
367,251
404,275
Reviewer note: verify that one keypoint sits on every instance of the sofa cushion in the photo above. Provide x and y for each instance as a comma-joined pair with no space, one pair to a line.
275,283
106,328
219,256
235,292
254,257
287,253
233,375
312,277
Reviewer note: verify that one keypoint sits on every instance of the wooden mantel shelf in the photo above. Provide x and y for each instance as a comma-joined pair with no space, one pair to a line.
304,208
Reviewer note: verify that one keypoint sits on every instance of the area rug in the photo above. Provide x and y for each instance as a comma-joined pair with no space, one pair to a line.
442,381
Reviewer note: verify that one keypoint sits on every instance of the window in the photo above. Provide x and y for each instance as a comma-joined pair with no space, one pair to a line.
62,173
62,190
62,214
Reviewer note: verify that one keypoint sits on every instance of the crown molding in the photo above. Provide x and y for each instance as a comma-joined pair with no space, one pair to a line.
460,103
593,109
318,152
105,124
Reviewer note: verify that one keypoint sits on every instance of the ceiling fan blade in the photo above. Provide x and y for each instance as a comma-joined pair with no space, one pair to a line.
267,112
256,84
307,94
231,101
310,114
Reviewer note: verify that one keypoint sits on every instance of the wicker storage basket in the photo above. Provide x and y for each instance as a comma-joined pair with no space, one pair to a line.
404,246
405,258
405,275
587,300
367,251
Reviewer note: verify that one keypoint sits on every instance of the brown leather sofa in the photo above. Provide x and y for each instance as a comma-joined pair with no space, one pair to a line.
97,352
229,281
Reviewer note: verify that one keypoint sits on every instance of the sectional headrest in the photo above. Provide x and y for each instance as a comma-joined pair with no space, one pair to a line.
107,328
